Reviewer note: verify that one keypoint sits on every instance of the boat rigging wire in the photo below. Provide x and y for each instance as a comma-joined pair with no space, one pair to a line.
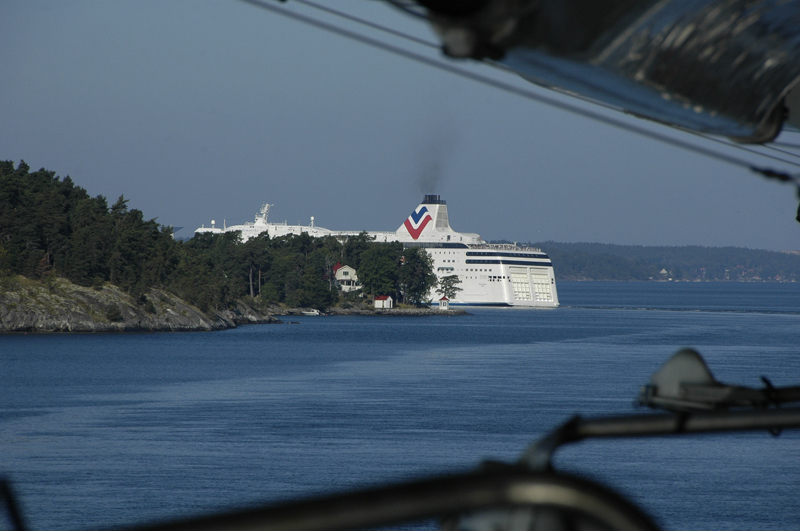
746,149
527,94
406,8
500,66
785,152
368,23
787,144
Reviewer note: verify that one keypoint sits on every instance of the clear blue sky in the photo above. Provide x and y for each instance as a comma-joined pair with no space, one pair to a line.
207,109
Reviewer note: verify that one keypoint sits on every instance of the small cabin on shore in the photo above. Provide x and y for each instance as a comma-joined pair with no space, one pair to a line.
383,302
444,304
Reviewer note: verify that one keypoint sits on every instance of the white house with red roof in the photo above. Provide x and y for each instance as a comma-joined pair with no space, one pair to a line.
346,278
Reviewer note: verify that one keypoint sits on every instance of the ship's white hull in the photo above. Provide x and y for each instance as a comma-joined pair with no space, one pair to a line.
489,274
498,275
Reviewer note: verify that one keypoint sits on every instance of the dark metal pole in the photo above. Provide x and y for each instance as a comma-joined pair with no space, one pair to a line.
539,455
499,486
11,507
648,425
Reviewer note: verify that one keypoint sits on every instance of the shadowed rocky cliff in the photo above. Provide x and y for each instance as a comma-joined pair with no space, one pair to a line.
57,305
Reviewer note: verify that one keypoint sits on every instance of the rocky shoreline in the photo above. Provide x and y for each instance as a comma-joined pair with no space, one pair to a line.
60,306
57,305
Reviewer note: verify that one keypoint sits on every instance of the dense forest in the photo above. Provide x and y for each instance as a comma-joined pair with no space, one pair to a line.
51,227
597,261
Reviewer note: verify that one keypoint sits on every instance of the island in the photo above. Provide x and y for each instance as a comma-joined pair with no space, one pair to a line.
69,262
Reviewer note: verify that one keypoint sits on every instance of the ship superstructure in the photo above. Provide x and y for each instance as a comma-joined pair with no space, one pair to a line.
490,274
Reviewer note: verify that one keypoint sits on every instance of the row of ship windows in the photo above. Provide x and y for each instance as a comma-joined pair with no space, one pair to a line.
491,278
447,261
453,269
498,262
492,254
517,262
522,255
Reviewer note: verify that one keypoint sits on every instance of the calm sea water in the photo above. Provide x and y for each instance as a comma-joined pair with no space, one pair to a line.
105,430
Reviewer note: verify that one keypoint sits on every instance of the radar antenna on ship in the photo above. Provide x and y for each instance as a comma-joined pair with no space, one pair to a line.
265,211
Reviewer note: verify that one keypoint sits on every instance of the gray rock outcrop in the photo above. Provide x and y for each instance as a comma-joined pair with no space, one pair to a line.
60,306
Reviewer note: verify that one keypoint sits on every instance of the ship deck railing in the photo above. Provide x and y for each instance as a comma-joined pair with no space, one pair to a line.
504,247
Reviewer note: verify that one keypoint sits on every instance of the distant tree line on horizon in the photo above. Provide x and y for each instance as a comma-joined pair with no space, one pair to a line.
598,261
50,227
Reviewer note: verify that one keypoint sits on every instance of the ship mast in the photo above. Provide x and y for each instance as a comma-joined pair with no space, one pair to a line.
264,211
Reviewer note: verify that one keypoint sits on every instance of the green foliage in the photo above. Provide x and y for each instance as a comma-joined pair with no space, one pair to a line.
114,314
146,303
354,247
389,269
49,227
416,277
448,286
9,283
295,270
379,269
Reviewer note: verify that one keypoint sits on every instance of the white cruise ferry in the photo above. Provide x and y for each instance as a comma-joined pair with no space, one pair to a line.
490,274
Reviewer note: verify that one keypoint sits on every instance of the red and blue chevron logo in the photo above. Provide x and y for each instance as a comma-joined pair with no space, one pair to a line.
417,221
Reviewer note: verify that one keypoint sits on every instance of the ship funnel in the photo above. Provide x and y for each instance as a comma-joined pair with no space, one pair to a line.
433,200
428,220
